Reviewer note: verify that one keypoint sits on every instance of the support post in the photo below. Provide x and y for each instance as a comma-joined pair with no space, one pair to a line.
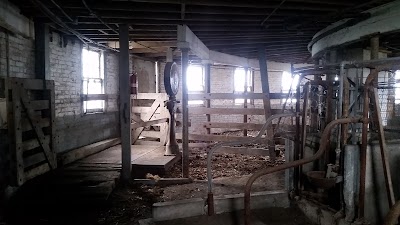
42,56
246,70
125,102
185,114
266,100
207,78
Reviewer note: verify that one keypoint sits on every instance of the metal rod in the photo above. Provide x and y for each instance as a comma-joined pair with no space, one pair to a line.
324,140
383,147
185,114
252,140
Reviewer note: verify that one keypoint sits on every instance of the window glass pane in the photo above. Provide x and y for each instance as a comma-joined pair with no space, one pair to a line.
239,80
93,106
195,102
195,78
92,79
91,64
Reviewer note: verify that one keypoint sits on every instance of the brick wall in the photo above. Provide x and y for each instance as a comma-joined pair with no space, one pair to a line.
20,53
146,76
75,129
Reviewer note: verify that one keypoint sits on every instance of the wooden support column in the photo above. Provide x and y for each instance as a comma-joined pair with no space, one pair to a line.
42,56
266,100
125,102
207,78
246,70
185,114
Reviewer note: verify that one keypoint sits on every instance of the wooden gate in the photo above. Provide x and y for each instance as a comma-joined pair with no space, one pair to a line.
149,117
31,129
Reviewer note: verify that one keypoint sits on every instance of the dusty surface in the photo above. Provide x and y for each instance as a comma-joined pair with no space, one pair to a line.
230,172
130,203
271,216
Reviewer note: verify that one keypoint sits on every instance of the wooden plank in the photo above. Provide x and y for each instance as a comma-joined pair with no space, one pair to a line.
26,126
50,155
19,159
234,96
146,117
34,159
33,84
39,104
151,134
149,96
240,126
80,153
143,109
243,151
34,143
92,97
148,123
225,111
218,138
39,170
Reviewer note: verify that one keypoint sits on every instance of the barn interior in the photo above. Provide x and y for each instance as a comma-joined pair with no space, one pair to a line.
158,112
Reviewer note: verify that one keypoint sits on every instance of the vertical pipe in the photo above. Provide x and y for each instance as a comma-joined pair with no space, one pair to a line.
185,114
350,179
125,102
207,78
364,143
297,143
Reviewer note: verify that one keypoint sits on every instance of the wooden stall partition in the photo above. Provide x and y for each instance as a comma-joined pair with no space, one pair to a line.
31,128
227,111
149,118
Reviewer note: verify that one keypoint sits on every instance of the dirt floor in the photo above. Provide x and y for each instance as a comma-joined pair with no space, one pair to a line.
130,203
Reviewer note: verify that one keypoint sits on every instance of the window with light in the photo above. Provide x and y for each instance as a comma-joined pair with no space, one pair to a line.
93,79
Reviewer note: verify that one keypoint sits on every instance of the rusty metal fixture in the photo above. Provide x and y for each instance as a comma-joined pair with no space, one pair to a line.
323,145
392,218
369,84
252,140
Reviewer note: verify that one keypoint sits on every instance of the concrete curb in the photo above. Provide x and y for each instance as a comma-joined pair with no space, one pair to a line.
197,206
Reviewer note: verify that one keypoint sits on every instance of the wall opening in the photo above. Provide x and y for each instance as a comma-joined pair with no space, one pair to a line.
93,79
195,82
243,82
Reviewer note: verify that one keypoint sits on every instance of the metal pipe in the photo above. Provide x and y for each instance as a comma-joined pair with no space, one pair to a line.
364,143
219,145
383,147
324,140
392,217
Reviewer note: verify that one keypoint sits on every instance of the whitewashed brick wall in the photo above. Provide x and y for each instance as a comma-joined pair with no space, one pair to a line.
74,129
21,56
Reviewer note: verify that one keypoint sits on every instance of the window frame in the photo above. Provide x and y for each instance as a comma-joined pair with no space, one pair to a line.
86,97
197,102
248,85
